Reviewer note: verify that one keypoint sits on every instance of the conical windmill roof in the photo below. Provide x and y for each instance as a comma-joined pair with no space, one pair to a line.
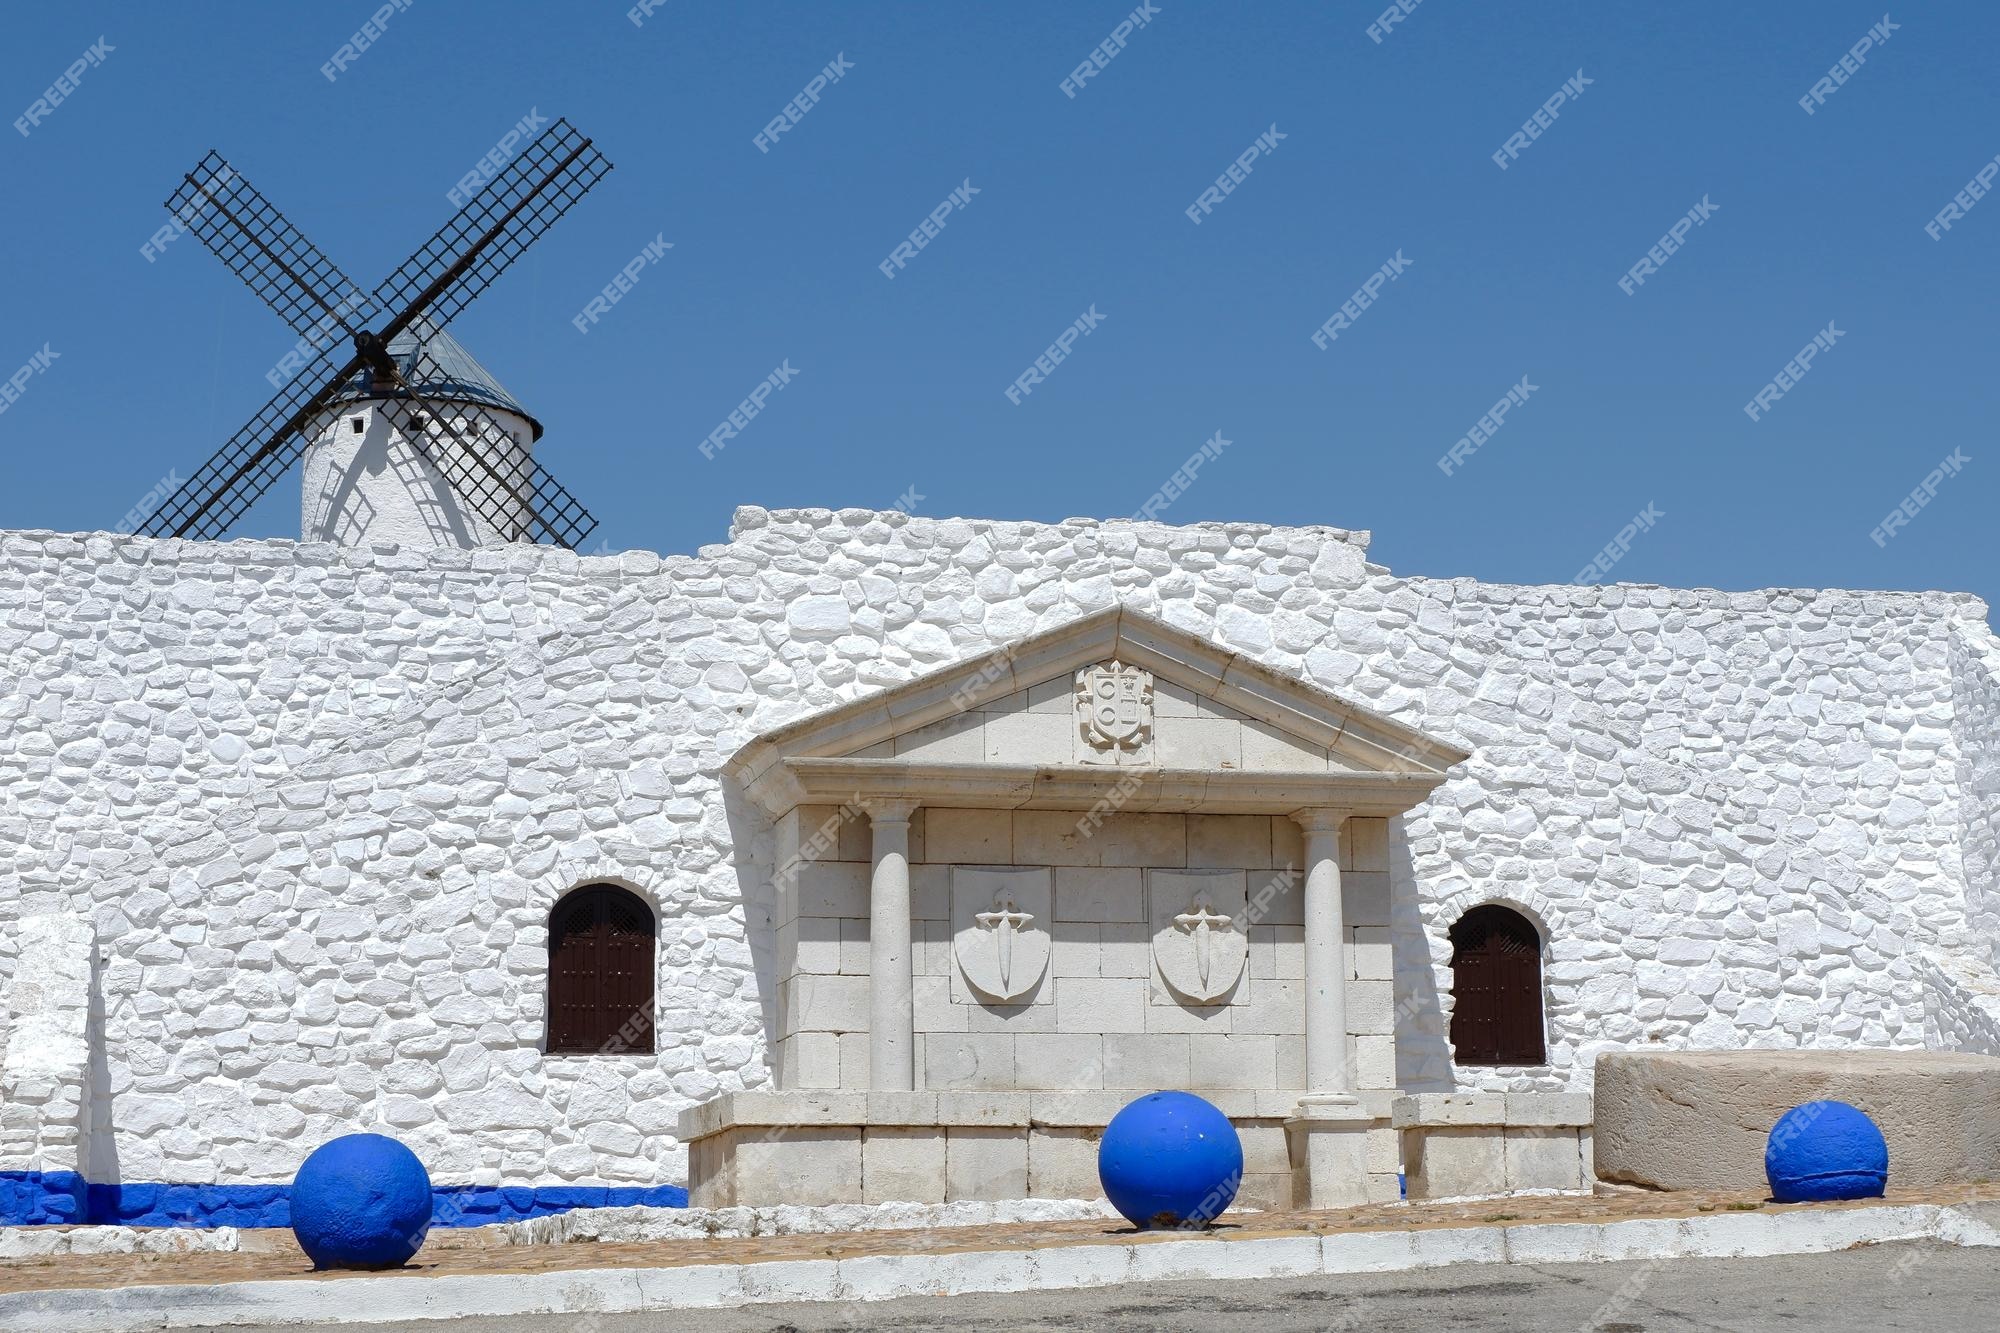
449,373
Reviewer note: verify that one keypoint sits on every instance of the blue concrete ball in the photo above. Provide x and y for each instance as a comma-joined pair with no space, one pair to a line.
1826,1150
361,1201
1170,1159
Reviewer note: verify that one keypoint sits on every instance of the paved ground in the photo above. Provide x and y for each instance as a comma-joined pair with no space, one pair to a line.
1879,1288
477,1250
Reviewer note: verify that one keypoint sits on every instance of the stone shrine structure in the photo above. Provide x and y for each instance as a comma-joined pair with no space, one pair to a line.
1101,860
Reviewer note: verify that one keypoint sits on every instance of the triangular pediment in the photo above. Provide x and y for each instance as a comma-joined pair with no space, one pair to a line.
1111,695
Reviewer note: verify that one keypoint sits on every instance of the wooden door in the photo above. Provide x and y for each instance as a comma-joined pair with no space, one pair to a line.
1496,1016
601,973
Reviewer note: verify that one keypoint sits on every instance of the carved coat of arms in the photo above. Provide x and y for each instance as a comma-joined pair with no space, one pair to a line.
1198,940
1114,714
1000,929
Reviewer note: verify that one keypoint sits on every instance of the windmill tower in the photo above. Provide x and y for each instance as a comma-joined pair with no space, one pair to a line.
406,438
372,472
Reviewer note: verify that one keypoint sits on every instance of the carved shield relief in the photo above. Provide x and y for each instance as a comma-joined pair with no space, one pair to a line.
1000,928
1114,714
1198,941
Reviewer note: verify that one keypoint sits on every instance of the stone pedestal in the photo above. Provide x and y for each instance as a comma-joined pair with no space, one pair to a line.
1329,1138
1460,1144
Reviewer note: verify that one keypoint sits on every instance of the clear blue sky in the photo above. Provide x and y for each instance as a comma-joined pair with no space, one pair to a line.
901,384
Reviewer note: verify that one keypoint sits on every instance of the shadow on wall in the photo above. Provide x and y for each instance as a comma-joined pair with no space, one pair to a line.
1423,1056
99,1157
756,880
345,510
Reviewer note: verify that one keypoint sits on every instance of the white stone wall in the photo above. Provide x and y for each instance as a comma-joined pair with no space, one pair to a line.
1975,663
316,803
46,1054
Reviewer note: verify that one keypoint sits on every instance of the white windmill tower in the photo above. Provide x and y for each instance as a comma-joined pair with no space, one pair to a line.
390,463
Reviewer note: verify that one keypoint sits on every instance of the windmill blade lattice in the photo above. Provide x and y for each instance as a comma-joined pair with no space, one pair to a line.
261,246
487,469
453,267
238,473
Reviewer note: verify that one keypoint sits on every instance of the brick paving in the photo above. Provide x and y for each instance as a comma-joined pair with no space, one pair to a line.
271,1254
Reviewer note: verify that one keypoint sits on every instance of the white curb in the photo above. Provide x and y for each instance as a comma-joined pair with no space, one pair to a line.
392,1297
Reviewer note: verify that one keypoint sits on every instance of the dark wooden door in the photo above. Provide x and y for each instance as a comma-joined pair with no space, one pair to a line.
1496,1016
601,973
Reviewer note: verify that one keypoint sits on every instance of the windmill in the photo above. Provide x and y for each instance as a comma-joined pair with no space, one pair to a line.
405,436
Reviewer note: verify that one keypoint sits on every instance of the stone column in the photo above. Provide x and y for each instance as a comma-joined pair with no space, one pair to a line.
1327,1072
1330,1117
892,1062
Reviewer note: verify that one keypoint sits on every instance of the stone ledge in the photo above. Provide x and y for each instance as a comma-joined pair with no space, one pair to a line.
1426,1110
817,1109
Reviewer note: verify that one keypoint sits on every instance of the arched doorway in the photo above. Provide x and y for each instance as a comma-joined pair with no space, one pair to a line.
601,973
1496,962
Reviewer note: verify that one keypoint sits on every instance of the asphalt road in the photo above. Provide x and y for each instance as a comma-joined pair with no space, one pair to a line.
1917,1286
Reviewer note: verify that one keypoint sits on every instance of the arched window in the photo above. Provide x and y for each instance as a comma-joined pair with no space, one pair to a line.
1496,989
601,973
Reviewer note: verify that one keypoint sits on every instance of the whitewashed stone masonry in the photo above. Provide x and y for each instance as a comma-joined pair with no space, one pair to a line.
316,802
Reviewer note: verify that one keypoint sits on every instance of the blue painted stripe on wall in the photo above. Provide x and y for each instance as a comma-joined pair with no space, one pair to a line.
30,1198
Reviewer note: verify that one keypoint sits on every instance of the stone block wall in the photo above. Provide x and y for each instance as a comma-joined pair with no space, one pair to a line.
316,803
1102,1017
1461,1145
937,1147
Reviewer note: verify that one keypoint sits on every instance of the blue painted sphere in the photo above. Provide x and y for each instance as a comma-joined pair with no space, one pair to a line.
1170,1159
361,1201
1826,1150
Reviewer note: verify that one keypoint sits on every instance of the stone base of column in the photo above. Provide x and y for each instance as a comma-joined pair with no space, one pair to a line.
1329,1139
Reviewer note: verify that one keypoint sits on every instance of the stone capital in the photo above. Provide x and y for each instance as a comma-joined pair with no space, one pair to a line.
891,812
1320,819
